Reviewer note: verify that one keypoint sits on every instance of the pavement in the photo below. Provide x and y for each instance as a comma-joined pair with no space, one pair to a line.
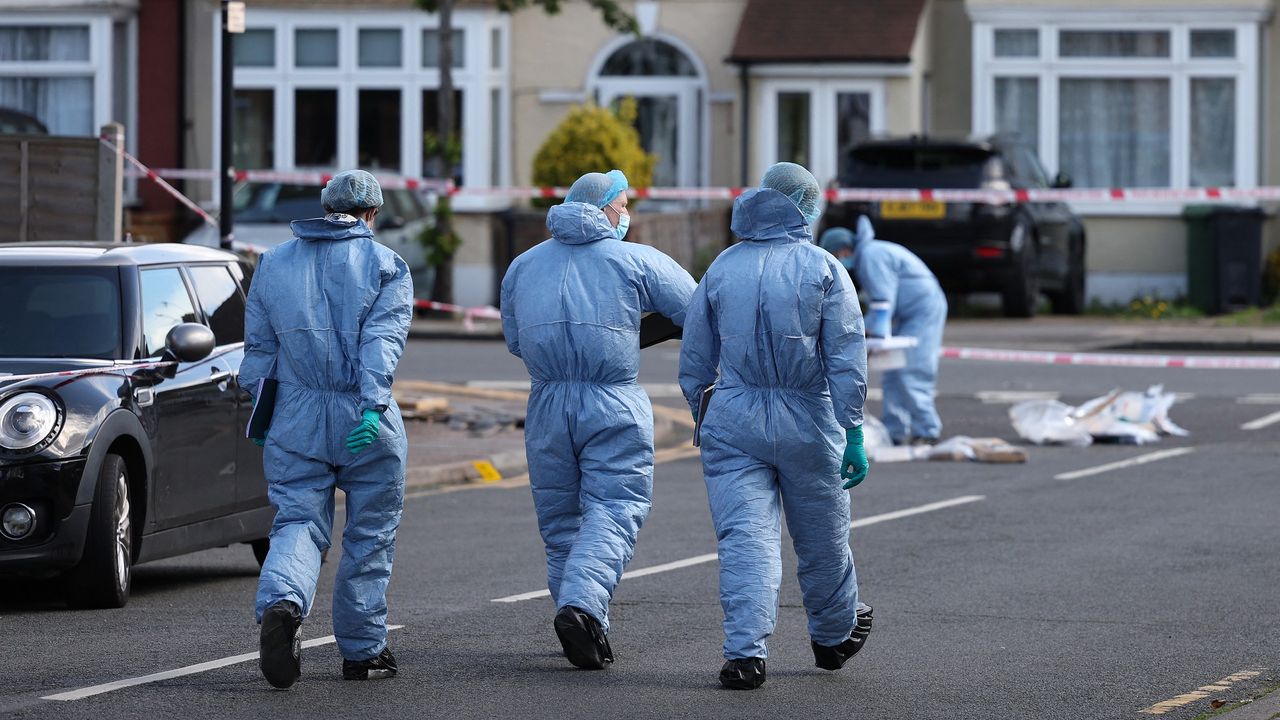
1052,332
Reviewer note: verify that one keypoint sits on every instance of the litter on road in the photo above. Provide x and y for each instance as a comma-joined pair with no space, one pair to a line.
1130,418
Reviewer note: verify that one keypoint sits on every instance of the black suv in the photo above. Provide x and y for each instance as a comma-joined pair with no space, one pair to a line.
1017,249
121,421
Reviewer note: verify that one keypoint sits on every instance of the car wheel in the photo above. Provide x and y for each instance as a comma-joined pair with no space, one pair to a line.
260,550
1071,300
1022,294
105,573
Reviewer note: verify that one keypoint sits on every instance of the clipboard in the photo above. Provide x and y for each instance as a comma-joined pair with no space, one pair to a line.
703,404
264,406
655,328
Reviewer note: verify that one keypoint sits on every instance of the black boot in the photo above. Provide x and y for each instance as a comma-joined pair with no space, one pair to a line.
583,639
280,644
743,674
834,658
382,666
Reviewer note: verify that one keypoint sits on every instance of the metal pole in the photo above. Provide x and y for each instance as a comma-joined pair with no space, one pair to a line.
226,220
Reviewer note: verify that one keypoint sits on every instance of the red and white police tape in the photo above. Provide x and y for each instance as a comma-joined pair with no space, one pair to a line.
469,315
1193,362
992,196
6,380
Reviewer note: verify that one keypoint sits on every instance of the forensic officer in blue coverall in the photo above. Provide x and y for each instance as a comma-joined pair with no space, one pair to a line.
779,319
571,309
327,317
888,272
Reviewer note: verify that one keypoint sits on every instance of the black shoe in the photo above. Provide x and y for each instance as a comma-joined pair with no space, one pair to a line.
924,441
382,666
583,639
743,674
280,644
834,658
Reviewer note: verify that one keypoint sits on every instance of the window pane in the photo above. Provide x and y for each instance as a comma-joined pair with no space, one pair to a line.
65,312
1115,133
315,128
1114,43
1213,43
431,166
37,43
254,141
657,119
220,297
165,303
379,141
1213,132
255,48
64,104
495,49
648,57
853,125
431,48
380,48
1017,43
793,127
315,48
1018,109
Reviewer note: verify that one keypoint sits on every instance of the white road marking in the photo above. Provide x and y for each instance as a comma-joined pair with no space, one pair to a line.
1265,421
710,557
180,672
1009,397
1131,462
1259,399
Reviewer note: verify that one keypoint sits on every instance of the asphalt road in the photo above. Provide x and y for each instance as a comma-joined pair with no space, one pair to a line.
1026,596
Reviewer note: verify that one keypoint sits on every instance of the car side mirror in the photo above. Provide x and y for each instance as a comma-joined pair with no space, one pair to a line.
1062,181
188,343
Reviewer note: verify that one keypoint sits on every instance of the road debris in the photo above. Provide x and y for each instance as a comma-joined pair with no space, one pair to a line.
1131,418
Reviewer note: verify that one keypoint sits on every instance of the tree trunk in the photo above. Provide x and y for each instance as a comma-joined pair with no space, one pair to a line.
443,289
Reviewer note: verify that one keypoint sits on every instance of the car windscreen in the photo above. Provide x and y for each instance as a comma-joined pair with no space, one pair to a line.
275,203
60,312
922,166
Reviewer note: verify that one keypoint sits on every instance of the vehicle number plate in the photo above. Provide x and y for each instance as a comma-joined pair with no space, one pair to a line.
913,210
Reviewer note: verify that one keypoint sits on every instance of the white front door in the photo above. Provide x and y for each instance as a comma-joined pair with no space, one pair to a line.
816,123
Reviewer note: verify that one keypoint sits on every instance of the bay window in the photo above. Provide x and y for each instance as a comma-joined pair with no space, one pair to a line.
1136,104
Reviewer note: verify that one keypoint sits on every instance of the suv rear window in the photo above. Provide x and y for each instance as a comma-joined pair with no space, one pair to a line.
52,312
924,166
273,203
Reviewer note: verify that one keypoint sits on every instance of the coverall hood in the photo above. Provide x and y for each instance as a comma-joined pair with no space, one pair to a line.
766,215
864,232
579,223
325,229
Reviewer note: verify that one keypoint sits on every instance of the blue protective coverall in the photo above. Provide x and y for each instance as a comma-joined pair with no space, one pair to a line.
780,319
891,273
571,310
330,310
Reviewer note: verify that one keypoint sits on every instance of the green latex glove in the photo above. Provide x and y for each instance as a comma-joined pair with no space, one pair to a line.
261,442
695,416
853,468
366,432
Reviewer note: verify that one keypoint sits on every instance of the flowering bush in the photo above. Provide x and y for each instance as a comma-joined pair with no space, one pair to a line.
594,139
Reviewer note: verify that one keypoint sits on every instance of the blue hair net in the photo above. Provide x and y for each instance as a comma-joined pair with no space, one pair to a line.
351,190
836,239
796,183
598,189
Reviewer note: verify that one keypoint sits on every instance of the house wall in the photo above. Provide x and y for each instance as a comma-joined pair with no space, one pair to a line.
552,58
950,70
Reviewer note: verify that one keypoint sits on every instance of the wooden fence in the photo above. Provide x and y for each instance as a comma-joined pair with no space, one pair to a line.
60,188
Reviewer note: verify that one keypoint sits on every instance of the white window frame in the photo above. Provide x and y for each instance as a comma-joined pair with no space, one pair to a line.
823,133
1179,69
476,79
98,66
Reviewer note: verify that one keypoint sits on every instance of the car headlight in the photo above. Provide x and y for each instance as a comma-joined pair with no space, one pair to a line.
27,420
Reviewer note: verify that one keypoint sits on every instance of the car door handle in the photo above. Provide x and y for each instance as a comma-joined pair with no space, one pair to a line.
219,376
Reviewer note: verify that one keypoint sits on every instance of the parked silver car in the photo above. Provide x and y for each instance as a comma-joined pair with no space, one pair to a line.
263,212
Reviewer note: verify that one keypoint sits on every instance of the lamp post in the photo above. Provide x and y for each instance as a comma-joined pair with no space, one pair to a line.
232,23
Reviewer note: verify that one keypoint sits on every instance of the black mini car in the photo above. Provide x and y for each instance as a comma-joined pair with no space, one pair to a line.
1015,249
121,421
